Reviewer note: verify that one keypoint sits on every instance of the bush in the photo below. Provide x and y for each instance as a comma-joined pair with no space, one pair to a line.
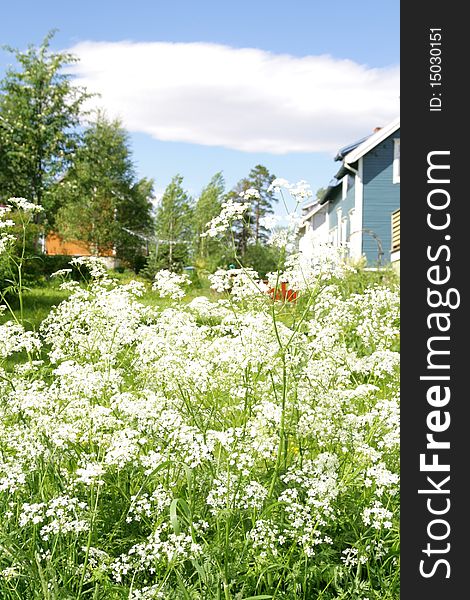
158,260
263,259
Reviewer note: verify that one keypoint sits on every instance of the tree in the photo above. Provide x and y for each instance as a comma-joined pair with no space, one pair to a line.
207,207
103,203
39,117
250,229
136,224
263,258
173,227
260,179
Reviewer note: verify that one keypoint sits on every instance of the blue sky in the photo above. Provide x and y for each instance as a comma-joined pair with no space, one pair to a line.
307,77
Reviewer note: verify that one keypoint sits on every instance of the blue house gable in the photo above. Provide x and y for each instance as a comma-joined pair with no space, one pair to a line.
364,194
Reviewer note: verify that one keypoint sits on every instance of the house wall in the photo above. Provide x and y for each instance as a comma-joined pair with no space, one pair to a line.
56,245
333,203
339,208
381,198
316,232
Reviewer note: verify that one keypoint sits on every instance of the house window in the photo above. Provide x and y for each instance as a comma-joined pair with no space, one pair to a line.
396,161
318,219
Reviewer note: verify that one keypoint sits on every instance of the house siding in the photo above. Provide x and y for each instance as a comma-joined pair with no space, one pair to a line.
334,203
346,205
381,198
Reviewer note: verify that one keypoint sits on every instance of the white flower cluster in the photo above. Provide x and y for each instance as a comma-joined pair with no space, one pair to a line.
241,283
250,193
229,492
303,273
61,273
377,516
61,515
162,545
14,338
25,205
94,264
6,238
300,190
170,285
231,211
145,431
90,474
146,505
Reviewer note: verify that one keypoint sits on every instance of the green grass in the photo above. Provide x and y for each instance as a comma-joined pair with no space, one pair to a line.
37,304
38,300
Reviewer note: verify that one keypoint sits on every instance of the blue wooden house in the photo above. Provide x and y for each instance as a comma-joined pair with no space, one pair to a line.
363,199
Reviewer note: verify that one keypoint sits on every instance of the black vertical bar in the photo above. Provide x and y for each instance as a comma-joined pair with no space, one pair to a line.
435,253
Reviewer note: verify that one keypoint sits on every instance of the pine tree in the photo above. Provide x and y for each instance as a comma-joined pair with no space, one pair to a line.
260,179
250,230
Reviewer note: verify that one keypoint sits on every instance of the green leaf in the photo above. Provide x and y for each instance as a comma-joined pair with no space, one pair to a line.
174,516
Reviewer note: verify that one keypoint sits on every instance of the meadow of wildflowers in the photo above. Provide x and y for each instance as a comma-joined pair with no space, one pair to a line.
230,448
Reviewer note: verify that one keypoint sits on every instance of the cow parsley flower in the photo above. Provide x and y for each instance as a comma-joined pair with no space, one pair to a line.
231,211
25,205
170,285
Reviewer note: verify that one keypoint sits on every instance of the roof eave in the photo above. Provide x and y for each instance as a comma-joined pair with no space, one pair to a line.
371,142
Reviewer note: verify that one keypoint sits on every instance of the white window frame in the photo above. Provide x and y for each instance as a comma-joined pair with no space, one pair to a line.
396,160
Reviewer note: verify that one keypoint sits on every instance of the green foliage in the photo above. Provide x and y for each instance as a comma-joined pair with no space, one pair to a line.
250,228
208,252
359,279
102,202
39,117
173,228
263,259
260,179
27,246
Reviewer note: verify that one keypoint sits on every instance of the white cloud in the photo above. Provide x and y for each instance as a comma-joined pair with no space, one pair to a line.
245,99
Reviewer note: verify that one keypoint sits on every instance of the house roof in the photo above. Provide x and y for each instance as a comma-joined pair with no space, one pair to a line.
316,207
333,184
349,148
371,142
307,207
353,152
